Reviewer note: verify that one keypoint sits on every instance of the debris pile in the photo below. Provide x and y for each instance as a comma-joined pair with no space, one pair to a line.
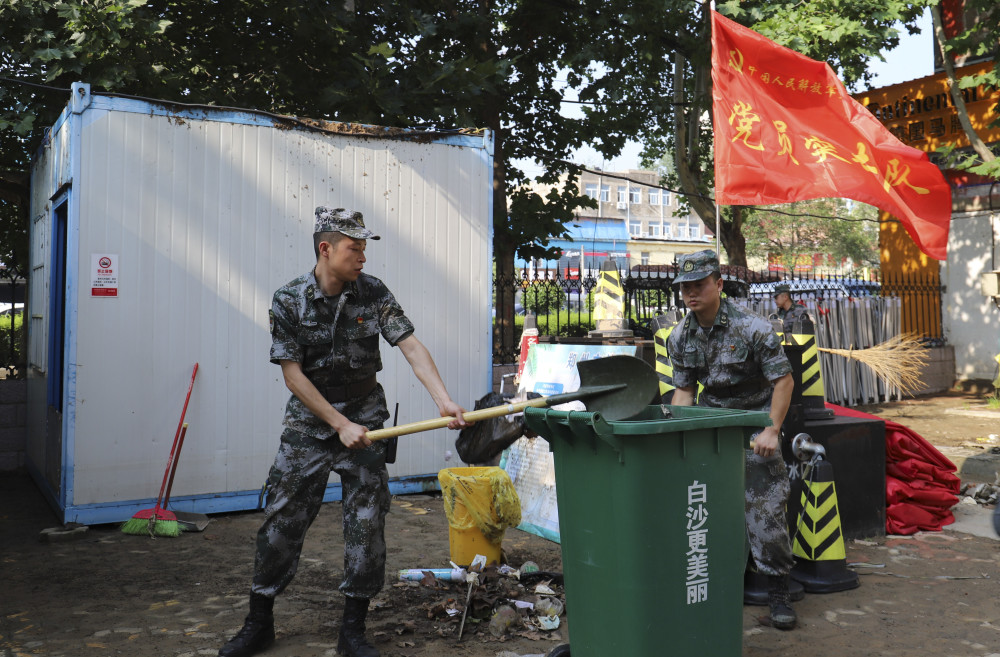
981,493
493,602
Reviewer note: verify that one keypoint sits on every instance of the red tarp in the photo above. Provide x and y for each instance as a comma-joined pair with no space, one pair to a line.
920,482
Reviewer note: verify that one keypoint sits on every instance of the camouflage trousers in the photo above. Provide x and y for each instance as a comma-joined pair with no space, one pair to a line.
296,485
767,491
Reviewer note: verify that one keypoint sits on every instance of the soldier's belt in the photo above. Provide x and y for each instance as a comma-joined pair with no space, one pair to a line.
750,385
350,391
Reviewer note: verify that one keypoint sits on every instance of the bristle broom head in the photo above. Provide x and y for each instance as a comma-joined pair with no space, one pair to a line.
152,523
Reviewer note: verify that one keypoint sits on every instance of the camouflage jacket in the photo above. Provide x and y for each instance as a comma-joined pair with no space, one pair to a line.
336,341
789,316
738,349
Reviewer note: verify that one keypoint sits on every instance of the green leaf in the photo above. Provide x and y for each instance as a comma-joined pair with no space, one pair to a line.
49,54
383,49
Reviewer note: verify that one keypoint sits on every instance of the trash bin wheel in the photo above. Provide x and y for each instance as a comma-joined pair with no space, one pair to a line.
559,651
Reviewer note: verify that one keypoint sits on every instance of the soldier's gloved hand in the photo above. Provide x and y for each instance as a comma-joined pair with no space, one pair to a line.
353,436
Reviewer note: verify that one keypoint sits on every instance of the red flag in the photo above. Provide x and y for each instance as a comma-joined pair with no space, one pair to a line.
787,130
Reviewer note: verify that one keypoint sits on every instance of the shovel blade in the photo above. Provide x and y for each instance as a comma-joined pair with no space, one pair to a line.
192,522
630,386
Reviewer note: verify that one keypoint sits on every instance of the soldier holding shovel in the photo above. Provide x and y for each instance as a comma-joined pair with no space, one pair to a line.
325,328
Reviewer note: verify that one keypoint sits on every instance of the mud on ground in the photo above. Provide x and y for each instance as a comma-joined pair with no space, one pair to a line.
108,593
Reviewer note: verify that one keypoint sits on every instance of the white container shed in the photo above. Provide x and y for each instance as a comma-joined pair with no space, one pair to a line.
200,213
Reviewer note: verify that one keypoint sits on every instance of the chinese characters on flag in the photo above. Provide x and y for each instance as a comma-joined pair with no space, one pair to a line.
787,130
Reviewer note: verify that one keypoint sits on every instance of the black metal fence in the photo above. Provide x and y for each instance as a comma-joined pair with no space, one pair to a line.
563,305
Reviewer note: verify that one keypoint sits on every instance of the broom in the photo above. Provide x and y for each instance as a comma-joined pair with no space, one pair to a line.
158,521
897,361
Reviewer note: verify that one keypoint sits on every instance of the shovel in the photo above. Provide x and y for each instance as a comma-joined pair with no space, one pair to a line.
617,387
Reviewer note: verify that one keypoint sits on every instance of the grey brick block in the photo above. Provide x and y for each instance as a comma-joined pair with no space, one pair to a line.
13,391
13,440
11,461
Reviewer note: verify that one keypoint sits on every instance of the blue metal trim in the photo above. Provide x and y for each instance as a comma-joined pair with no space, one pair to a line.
71,311
247,500
487,157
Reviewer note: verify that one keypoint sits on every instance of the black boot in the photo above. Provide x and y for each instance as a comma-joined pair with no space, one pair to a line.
257,632
782,615
352,633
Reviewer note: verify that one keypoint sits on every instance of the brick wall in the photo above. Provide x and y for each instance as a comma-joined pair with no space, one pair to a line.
13,423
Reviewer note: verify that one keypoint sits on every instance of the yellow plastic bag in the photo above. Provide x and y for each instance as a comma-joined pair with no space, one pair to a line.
480,498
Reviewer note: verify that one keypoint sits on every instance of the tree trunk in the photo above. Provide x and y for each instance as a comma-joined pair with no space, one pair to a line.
732,238
503,257
504,340
956,94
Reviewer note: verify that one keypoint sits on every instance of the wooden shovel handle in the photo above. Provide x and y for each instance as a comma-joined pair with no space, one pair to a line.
470,416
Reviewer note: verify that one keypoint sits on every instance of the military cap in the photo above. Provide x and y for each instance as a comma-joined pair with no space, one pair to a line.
696,266
782,288
339,220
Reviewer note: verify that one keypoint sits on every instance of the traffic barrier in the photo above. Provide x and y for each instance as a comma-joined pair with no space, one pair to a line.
818,546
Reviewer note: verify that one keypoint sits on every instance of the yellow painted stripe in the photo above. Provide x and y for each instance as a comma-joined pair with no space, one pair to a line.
812,375
609,297
663,367
820,537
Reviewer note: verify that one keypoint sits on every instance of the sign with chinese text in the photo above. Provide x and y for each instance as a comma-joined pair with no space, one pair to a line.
103,275
921,113
787,130
696,584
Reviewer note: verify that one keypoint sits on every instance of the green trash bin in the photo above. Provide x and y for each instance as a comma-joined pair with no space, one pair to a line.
651,522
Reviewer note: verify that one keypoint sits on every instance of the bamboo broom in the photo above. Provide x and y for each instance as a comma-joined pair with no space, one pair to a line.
897,361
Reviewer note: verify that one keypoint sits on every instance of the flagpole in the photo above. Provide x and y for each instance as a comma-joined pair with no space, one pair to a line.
718,220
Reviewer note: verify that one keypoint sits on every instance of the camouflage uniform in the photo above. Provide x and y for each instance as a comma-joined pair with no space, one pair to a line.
737,361
796,312
336,340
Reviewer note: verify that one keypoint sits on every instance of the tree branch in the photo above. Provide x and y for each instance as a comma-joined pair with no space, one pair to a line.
956,95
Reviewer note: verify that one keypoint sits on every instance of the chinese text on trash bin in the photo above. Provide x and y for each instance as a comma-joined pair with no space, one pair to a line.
697,535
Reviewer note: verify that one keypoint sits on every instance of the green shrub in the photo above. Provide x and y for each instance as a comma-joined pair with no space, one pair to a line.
15,357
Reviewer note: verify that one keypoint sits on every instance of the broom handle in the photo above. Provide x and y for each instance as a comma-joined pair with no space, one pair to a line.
177,436
470,416
173,469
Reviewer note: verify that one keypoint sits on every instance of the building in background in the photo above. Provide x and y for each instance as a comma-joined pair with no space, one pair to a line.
634,223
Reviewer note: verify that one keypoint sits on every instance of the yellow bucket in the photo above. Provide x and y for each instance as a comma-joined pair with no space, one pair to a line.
480,504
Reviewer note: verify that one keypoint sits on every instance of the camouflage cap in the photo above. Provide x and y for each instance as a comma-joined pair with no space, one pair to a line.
782,288
339,220
696,266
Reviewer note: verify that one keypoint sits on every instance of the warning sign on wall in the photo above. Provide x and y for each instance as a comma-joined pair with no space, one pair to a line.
103,275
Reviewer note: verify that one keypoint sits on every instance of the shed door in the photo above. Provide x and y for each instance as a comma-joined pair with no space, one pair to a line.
57,308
